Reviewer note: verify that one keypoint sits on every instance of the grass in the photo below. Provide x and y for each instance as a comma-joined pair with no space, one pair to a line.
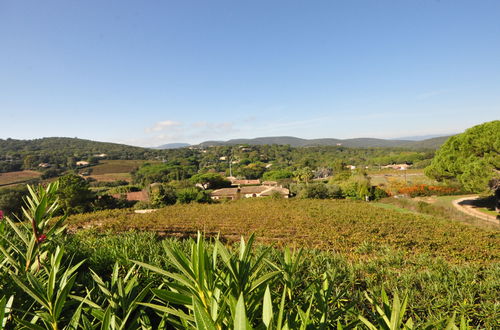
17,177
330,225
437,206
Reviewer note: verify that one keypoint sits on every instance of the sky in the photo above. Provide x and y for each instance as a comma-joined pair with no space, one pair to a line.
153,72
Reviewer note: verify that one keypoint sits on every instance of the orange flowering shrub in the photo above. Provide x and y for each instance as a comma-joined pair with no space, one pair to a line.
427,190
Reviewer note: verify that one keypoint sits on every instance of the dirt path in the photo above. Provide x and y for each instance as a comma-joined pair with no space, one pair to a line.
466,205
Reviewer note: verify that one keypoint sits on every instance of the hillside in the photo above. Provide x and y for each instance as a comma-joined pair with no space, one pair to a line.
432,143
69,146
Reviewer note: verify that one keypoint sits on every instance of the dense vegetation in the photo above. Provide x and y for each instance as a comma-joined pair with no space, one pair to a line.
432,143
133,281
471,158
63,153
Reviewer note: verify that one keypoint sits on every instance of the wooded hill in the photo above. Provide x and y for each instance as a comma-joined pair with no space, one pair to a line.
433,143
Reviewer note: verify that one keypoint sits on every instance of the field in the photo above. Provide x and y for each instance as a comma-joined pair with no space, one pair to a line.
113,170
330,225
10,178
394,179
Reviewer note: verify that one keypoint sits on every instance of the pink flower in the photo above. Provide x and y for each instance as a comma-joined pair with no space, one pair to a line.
1,214
42,238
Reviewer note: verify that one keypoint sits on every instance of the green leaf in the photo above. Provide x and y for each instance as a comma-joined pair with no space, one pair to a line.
173,297
202,318
33,294
240,319
168,310
267,308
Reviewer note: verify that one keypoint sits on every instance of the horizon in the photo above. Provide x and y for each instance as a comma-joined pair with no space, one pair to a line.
409,138
160,73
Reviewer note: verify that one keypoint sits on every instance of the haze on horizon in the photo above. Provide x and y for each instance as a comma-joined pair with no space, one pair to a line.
153,73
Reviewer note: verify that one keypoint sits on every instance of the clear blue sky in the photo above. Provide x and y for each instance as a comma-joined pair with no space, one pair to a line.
154,72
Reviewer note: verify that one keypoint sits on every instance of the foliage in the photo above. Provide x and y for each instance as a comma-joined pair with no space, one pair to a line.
11,199
210,180
276,175
74,194
319,191
472,158
107,202
304,174
252,170
188,195
357,187
64,152
29,250
162,195
214,286
163,172
49,288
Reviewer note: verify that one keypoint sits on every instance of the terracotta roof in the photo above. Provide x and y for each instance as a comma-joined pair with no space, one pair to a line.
257,181
270,183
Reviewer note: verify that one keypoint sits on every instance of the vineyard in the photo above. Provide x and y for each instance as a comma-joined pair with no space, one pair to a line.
331,225
112,170
11,178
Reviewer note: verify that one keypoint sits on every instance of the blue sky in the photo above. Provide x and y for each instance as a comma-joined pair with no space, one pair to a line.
153,72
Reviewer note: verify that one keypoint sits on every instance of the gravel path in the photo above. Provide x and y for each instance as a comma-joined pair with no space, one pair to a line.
466,205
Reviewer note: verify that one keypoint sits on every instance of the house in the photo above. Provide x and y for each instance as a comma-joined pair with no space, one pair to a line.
101,155
248,192
44,165
351,167
82,163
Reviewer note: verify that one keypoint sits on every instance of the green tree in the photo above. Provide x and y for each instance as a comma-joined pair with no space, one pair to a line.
11,199
28,162
187,195
253,170
357,186
162,195
471,158
74,194
210,180
304,174
277,175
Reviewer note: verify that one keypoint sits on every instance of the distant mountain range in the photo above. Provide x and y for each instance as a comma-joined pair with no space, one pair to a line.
173,146
432,143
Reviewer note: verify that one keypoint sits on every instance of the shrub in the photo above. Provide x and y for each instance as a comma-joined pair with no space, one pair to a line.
357,187
187,195
379,193
162,195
